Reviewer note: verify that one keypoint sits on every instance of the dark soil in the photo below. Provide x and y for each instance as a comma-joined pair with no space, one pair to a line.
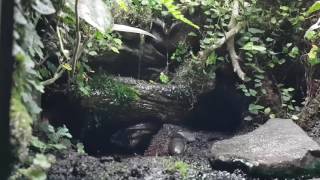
155,164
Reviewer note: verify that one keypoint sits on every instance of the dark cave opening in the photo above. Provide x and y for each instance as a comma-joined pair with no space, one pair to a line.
221,109
218,110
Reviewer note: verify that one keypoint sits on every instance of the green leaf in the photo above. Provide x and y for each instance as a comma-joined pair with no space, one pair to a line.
117,41
267,110
35,142
30,102
34,173
255,31
19,17
253,92
80,148
212,59
57,146
173,9
253,107
94,12
44,7
251,47
42,161
114,49
284,8
67,66
315,7
313,55
310,35
272,116
294,52
63,132
93,53
164,78
123,5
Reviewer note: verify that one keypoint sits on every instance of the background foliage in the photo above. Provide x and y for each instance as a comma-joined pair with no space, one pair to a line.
275,34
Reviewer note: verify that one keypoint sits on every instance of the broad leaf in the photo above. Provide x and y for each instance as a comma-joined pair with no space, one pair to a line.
315,7
94,12
173,9
164,78
310,34
313,55
255,31
67,66
42,161
124,28
251,47
44,7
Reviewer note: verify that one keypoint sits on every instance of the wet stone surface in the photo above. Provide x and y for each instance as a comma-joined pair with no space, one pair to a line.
278,148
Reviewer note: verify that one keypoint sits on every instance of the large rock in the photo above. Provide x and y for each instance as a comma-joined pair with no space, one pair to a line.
279,148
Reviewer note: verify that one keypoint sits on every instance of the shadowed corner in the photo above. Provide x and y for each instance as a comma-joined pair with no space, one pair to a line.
6,70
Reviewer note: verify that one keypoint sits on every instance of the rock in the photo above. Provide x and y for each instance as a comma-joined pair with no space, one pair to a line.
189,136
171,139
279,148
135,137
177,145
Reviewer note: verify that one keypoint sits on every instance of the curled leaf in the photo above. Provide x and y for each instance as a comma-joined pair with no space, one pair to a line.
124,28
44,7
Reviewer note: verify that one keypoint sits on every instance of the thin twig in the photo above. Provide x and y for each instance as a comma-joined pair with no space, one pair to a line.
78,40
63,51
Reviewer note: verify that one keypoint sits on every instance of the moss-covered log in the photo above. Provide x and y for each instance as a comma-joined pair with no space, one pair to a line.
131,100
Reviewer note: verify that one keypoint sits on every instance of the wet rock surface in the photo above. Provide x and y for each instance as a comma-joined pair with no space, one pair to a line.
278,148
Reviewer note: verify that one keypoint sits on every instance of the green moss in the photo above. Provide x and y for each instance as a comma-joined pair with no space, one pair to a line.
119,93
179,166
21,126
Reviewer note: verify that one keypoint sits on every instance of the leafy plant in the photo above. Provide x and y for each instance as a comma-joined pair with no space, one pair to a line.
164,78
56,139
40,164
181,167
288,101
173,9
80,148
315,7
180,54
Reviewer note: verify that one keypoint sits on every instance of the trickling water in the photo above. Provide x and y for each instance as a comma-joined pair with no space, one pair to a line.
141,45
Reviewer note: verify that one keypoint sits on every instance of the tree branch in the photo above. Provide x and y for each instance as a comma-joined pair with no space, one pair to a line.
56,76
230,43
234,28
78,40
231,33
